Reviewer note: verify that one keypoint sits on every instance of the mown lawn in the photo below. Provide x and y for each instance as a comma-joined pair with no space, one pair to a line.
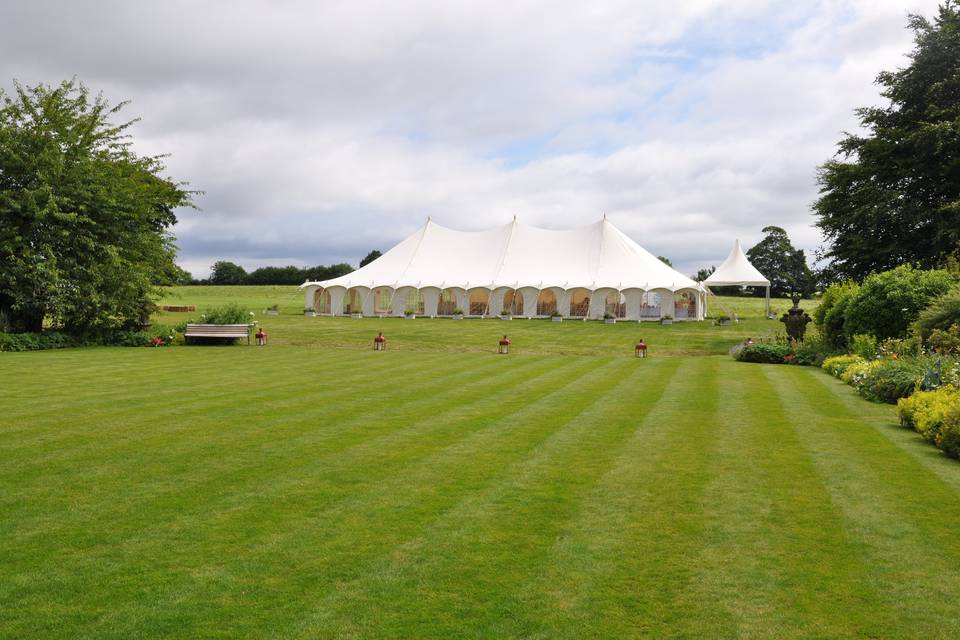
322,491
541,336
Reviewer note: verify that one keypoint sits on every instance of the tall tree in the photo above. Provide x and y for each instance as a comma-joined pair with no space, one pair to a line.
84,237
665,260
226,272
892,195
785,266
373,255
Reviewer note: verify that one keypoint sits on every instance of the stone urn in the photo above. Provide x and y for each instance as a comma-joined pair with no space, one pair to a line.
796,320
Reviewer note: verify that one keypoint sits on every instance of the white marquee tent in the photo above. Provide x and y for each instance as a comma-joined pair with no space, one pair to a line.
736,270
586,272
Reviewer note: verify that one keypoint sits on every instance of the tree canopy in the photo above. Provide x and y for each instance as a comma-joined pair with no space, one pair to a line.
704,273
226,272
892,195
373,255
84,239
783,264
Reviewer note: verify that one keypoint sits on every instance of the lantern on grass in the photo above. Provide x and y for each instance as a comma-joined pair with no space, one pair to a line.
641,349
504,345
379,343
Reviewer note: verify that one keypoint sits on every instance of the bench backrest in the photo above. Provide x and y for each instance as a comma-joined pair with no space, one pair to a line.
218,330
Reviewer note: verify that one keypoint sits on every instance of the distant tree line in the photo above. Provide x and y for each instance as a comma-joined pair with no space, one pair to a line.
226,272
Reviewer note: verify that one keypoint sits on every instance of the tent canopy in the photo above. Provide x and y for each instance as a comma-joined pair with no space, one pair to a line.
736,270
516,255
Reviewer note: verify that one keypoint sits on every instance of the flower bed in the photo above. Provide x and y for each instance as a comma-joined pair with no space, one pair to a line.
924,403
776,353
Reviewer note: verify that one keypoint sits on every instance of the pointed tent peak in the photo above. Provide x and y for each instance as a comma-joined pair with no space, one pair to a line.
737,270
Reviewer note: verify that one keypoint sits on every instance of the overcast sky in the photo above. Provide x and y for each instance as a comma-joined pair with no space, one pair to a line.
321,130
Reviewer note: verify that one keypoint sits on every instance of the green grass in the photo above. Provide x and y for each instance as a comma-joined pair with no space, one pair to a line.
322,491
291,328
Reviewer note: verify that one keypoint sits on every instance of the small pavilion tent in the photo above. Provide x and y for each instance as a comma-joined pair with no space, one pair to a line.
736,270
586,272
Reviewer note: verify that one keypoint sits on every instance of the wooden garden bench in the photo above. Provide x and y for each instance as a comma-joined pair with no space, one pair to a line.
218,331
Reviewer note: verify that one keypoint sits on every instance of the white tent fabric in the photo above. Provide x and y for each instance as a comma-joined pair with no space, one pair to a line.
737,270
521,258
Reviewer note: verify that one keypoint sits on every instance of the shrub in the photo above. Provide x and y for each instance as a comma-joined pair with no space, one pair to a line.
888,302
925,411
228,314
864,345
942,313
888,380
145,338
945,341
37,341
899,347
765,353
949,437
829,315
808,354
836,365
856,370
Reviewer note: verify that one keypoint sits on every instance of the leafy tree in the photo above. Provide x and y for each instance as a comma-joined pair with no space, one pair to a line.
321,272
275,275
84,236
175,275
224,272
892,196
829,315
782,264
373,255
942,313
888,302
665,260
703,274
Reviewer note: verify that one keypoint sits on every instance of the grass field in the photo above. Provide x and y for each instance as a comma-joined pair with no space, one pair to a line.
570,337
312,490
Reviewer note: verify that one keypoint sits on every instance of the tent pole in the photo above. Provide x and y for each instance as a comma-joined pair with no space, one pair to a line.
768,301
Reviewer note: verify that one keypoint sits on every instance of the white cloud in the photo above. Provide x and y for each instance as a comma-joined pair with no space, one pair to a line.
321,130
